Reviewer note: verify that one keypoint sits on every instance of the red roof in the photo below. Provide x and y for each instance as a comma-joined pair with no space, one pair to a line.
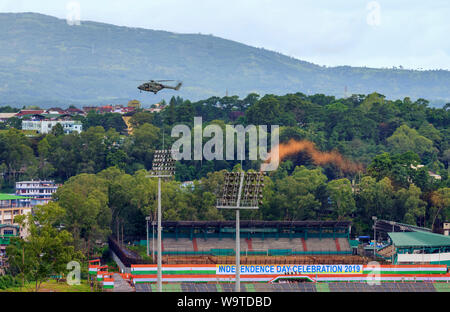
29,112
74,110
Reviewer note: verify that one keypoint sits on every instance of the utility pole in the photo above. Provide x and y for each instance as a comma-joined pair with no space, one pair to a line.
146,238
374,236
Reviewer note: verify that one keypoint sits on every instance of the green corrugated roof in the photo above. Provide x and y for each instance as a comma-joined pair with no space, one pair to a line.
10,197
419,239
9,225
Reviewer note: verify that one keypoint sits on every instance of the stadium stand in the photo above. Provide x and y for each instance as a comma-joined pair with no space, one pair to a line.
387,251
269,238
295,244
298,287
383,287
172,244
317,244
217,243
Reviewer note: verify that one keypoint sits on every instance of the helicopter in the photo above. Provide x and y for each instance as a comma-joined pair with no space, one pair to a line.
155,86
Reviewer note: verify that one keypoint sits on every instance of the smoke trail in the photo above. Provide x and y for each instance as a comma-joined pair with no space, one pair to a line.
319,158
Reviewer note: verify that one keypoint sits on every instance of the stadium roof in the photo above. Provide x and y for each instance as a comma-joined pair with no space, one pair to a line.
419,239
11,197
255,223
391,226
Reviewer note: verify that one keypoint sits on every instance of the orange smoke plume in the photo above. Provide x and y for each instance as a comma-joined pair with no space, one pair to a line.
319,158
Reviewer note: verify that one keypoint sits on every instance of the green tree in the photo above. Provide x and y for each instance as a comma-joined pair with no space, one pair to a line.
406,139
88,217
47,248
341,197
413,208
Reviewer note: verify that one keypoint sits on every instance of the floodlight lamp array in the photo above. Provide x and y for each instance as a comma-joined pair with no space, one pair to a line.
252,189
163,163
230,189
251,194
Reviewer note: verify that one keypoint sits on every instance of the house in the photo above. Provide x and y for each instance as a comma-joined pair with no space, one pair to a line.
74,111
135,104
87,109
45,125
36,192
11,206
55,111
27,112
5,116
105,109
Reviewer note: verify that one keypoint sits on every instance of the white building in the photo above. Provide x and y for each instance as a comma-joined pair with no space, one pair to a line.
37,192
447,228
45,126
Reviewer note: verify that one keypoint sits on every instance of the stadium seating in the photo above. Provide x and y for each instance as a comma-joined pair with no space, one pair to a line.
290,287
324,244
180,244
387,252
216,243
383,287
344,244
281,243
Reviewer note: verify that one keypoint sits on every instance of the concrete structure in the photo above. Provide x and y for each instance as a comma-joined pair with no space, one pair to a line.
420,247
37,192
6,232
5,116
44,126
11,206
446,227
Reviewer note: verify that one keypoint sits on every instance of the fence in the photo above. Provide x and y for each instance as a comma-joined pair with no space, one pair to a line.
127,257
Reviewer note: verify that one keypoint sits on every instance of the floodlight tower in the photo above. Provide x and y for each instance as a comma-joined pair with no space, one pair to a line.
163,167
241,191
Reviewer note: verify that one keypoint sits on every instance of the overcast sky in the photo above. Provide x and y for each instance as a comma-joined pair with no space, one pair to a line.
383,33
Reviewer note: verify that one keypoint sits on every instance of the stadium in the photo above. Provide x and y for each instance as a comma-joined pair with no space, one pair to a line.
297,256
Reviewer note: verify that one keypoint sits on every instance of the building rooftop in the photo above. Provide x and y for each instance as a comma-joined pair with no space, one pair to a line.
11,197
419,239
7,115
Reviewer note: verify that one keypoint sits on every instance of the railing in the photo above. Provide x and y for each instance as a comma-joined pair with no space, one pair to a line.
125,255
14,206
260,260
246,252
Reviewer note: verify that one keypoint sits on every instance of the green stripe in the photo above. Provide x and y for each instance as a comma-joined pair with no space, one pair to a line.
322,287
184,272
403,272
442,287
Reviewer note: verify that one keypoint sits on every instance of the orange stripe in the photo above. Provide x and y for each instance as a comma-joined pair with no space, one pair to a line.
175,265
277,275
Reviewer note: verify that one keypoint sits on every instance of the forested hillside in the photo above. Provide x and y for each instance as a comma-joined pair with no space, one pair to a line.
390,139
45,61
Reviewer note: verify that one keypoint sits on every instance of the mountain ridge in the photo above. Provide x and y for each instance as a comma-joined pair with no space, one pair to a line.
43,59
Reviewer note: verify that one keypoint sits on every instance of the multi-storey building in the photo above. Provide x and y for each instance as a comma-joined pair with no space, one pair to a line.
11,206
45,126
36,192
6,232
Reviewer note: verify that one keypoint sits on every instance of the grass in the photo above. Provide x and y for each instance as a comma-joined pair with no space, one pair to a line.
51,286
141,250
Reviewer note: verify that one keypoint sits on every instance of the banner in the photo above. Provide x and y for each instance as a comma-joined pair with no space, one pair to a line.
222,269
